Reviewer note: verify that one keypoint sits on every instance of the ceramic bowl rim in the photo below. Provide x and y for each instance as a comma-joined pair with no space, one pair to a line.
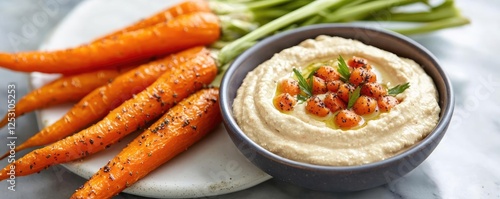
439,129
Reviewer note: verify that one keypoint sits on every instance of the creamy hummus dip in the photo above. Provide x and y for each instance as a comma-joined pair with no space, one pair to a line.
301,137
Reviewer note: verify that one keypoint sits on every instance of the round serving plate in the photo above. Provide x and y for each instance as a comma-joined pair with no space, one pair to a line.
213,166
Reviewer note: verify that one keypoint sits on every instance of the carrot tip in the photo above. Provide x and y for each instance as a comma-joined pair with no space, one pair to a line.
4,121
4,156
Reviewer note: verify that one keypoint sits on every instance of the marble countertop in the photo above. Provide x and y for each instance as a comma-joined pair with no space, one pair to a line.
466,164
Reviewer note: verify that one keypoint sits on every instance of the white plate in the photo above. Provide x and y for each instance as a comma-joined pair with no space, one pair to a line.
211,167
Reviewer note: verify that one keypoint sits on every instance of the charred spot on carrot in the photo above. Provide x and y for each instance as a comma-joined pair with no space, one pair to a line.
185,123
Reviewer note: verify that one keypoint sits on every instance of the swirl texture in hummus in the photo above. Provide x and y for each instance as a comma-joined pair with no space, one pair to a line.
300,137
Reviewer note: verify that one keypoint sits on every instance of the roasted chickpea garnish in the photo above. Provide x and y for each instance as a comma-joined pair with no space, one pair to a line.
362,75
327,73
284,102
347,119
365,105
373,89
344,91
357,62
289,86
334,86
317,107
318,86
386,103
349,91
333,102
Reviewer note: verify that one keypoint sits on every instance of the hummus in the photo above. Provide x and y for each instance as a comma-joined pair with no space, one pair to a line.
301,137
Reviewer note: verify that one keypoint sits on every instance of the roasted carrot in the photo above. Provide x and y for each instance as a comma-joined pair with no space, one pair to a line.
178,129
184,7
173,86
64,89
99,102
182,32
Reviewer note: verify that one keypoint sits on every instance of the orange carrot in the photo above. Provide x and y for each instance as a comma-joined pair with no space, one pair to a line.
98,103
184,7
63,90
180,33
173,86
178,129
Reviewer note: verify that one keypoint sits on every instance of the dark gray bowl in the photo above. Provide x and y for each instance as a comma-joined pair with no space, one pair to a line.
335,178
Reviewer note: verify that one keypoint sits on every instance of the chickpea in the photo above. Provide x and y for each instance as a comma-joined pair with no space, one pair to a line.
347,119
327,73
318,86
333,86
317,107
284,102
344,91
365,105
289,86
333,102
386,103
357,62
373,89
362,75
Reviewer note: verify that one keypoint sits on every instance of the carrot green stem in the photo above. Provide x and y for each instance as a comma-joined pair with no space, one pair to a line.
363,10
235,48
434,25
256,5
281,15
445,10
